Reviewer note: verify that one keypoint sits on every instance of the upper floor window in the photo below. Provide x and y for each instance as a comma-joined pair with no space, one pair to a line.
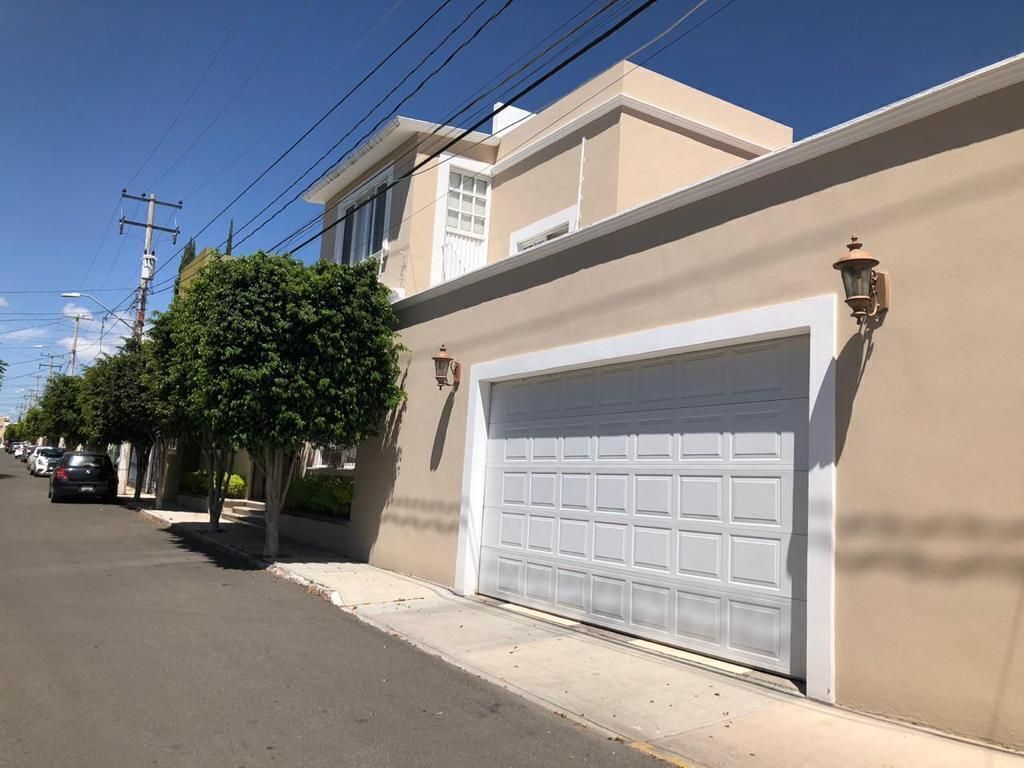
544,231
467,203
365,224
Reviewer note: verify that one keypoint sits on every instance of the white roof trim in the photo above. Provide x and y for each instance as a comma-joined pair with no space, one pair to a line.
376,148
625,101
970,86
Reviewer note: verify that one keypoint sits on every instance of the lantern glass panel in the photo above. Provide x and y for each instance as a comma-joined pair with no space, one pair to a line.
857,280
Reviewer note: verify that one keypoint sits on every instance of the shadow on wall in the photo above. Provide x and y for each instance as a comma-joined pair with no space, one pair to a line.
378,457
442,431
850,366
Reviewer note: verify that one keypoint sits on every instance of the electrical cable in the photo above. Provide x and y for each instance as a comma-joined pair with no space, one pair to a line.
376,106
561,117
191,95
465,132
446,124
231,100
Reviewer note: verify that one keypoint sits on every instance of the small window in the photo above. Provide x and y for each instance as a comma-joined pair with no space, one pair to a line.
467,203
535,240
364,225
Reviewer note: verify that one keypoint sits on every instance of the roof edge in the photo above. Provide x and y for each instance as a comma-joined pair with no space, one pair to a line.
1001,74
410,125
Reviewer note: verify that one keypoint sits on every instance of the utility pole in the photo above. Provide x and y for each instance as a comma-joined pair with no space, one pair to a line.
74,345
148,256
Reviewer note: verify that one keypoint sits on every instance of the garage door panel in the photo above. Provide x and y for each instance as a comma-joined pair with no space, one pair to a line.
666,498
759,630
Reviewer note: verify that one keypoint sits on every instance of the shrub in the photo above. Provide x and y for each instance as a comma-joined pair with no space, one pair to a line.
198,484
326,495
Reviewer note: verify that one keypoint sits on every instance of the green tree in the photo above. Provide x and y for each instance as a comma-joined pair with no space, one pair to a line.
14,432
119,402
188,255
3,370
62,410
34,425
230,243
279,354
184,407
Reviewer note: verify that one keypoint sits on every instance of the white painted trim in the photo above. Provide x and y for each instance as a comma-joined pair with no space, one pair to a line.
446,162
377,147
568,215
645,108
814,316
1000,75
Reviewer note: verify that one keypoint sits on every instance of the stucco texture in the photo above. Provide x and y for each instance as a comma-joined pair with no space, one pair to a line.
930,527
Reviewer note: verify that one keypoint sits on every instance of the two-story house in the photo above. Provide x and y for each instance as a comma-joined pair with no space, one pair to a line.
628,136
667,424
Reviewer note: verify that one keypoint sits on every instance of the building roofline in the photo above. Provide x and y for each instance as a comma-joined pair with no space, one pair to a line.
640,106
994,77
376,148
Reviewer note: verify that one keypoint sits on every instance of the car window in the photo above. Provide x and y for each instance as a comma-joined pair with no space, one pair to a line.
52,453
78,460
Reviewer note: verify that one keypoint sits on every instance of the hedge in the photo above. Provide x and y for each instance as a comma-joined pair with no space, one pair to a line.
198,484
322,495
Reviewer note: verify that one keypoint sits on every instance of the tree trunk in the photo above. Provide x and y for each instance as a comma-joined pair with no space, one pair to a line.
215,491
278,465
141,466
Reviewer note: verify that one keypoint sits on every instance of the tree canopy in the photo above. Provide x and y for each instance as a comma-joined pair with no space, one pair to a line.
268,354
62,410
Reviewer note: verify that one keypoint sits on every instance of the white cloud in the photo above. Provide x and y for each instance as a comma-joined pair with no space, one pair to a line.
71,310
4,302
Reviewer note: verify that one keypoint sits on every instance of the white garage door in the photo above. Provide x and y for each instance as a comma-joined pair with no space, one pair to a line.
666,499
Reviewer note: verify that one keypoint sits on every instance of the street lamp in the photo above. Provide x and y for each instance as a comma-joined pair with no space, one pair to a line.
79,295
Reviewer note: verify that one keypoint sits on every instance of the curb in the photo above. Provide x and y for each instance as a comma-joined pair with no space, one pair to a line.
187,533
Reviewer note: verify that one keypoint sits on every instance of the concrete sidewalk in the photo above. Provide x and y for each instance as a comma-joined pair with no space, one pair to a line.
660,701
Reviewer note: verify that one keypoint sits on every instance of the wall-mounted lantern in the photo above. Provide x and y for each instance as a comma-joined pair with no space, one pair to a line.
867,291
445,364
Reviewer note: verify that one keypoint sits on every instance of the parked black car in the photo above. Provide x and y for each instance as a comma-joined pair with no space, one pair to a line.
83,474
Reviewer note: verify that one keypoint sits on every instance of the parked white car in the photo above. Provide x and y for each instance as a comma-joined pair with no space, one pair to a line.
21,450
30,459
43,461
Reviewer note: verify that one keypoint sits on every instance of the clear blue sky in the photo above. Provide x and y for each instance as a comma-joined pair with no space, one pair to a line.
87,89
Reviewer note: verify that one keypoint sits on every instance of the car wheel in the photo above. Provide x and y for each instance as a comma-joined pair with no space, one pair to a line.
54,498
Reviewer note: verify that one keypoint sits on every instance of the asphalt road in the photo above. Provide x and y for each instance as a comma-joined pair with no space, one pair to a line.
122,645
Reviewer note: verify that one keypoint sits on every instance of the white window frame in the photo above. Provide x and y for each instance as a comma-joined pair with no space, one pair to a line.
446,164
487,202
815,317
384,177
569,216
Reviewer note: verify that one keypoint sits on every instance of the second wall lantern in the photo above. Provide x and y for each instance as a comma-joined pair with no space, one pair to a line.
867,290
444,364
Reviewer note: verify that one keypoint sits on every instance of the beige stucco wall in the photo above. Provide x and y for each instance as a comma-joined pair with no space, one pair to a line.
930,538
411,221
655,159
697,105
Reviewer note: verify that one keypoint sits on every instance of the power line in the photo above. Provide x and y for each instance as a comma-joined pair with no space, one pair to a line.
495,84
561,117
489,114
312,128
192,94
270,52
392,111
465,132
280,119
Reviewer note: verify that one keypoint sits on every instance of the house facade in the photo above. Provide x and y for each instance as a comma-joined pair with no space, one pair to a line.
667,424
